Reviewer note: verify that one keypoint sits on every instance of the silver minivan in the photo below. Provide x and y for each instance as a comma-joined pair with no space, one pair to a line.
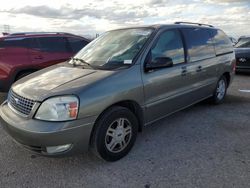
120,82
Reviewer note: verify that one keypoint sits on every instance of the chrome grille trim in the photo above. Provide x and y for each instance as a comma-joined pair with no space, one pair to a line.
21,105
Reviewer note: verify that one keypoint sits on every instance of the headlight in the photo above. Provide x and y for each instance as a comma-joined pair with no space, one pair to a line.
58,109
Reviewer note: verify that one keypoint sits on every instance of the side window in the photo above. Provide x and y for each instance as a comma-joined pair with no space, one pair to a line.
199,44
222,43
53,44
32,43
169,45
13,43
76,44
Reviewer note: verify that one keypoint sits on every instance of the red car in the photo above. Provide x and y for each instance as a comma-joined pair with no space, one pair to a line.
24,53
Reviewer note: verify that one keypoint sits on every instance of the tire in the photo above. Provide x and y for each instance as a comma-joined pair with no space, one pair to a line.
114,134
220,91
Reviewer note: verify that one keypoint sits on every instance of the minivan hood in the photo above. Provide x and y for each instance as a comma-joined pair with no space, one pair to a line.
47,83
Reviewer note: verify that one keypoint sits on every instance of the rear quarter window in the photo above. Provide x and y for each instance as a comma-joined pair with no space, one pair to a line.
199,44
222,43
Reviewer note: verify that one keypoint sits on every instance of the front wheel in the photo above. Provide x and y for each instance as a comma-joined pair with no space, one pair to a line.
220,91
114,134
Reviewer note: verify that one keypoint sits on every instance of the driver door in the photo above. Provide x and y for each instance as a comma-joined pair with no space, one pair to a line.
167,89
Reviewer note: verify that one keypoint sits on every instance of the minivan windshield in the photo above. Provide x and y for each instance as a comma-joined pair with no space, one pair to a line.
113,49
243,43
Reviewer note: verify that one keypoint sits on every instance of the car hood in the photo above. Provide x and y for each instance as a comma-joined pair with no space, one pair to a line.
57,81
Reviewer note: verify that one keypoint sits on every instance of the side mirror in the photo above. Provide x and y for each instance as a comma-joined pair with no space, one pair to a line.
159,62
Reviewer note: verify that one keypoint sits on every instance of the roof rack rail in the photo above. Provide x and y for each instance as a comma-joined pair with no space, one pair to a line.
192,23
37,33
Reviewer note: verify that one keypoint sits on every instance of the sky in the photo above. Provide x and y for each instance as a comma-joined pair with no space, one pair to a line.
97,16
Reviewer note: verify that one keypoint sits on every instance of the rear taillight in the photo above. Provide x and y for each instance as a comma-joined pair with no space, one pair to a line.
234,65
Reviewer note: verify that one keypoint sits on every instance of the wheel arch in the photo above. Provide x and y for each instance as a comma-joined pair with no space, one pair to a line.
228,77
133,106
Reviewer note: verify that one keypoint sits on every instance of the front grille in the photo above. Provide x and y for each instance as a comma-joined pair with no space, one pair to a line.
20,104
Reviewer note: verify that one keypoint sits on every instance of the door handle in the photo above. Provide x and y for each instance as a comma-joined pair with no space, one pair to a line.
199,69
184,71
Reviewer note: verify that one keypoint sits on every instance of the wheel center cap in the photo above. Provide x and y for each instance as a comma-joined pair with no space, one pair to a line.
119,134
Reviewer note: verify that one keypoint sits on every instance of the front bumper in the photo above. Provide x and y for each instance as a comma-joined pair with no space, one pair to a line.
36,135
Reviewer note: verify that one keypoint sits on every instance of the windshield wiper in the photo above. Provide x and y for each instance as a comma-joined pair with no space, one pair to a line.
81,61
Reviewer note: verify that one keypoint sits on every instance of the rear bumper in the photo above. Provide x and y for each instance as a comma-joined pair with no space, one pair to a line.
36,135
242,68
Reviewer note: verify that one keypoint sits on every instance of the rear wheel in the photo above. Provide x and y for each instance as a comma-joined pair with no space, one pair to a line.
114,134
220,91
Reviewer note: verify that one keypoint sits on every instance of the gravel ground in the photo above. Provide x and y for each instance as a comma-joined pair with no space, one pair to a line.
202,146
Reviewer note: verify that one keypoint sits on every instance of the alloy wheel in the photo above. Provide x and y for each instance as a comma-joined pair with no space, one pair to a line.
221,89
118,135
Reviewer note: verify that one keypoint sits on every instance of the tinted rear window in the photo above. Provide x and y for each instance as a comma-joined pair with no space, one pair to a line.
222,43
77,44
199,44
53,44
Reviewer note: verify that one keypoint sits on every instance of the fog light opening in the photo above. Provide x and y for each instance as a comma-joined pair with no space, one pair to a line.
58,149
